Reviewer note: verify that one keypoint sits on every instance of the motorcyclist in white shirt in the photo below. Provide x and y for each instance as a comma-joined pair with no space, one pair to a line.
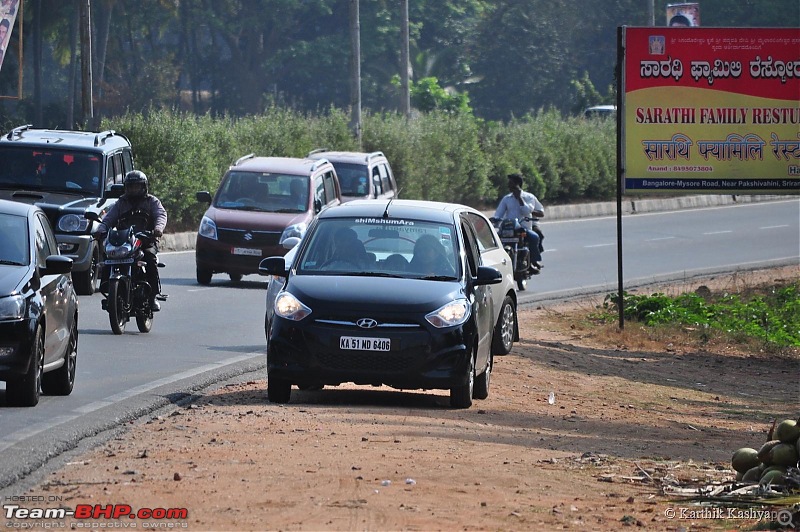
520,204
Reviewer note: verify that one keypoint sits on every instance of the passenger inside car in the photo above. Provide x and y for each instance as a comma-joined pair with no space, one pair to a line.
430,257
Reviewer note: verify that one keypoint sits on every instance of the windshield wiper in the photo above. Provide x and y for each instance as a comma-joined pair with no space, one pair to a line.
374,274
438,278
11,263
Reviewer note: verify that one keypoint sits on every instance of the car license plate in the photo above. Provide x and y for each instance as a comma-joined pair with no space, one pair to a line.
118,261
246,251
364,344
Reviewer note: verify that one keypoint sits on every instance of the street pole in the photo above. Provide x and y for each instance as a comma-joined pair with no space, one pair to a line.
355,71
405,95
86,63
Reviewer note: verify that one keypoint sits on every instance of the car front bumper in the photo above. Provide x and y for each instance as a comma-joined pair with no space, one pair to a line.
221,257
77,247
16,339
418,359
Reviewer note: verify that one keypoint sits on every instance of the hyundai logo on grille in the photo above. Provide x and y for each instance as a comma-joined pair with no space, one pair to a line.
367,323
248,236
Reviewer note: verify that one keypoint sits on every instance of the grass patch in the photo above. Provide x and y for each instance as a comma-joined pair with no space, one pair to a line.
766,317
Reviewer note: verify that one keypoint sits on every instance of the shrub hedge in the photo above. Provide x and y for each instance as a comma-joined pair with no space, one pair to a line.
435,156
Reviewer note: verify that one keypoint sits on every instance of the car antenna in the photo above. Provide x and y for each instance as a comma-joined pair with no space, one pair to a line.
386,210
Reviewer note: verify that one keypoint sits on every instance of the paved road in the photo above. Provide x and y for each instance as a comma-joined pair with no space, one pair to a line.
208,334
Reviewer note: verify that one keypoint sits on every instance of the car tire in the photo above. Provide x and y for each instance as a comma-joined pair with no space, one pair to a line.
235,277
278,390
62,380
503,337
482,381
204,276
25,390
86,282
461,396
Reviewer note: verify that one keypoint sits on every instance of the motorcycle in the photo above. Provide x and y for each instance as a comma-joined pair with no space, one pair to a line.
128,292
515,242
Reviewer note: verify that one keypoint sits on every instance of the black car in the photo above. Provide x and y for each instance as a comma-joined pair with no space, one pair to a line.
393,293
38,308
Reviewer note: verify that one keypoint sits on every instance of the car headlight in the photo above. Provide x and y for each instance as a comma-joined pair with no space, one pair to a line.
297,230
289,307
454,313
208,228
12,308
72,223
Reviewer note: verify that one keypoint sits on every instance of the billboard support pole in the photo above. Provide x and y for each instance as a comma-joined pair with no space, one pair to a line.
620,72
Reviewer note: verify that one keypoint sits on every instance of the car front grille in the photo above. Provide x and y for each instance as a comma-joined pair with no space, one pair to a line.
249,238
362,361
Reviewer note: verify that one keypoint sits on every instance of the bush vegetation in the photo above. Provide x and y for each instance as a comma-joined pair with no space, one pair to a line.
444,155
768,315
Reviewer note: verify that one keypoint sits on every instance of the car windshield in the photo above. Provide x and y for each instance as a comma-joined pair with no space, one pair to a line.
13,240
50,170
382,248
353,178
263,191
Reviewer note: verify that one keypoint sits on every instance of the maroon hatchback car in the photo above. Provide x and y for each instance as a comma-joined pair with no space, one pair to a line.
261,202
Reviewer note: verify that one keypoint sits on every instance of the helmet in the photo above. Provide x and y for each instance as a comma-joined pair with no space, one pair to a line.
135,184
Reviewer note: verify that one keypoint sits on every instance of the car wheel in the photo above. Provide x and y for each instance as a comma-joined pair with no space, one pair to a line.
204,276
461,396
25,390
86,282
481,390
278,390
116,307
235,277
503,337
62,380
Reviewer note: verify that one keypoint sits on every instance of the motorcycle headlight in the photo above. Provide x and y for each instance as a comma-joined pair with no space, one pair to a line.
289,307
208,228
12,308
297,230
507,233
454,313
118,252
72,223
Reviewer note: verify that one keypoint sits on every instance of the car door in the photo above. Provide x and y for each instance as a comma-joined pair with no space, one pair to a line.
492,254
480,296
54,292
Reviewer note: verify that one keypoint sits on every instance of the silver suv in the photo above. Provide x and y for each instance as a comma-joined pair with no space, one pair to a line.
362,175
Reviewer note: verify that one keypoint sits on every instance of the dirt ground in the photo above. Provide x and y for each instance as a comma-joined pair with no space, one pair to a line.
631,420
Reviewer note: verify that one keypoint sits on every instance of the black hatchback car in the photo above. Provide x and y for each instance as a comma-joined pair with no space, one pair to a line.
393,293
38,308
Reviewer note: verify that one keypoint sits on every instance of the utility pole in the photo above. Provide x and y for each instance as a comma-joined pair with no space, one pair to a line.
86,63
355,70
405,95
651,11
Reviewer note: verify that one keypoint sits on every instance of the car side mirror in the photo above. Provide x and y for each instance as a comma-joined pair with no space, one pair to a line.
273,266
57,264
91,215
488,275
116,190
203,196
317,205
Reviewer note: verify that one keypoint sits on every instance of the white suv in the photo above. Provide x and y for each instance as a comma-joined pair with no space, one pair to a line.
362,175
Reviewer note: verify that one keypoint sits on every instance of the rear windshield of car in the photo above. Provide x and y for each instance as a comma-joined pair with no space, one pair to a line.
353,178
263,191
378,247
50,169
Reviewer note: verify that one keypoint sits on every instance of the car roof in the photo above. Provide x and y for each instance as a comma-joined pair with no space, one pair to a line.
284,165
602,108
433,211
17,208
101,141
355,157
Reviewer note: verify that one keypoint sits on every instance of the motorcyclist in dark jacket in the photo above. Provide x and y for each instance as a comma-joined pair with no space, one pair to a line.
520,204
137,208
